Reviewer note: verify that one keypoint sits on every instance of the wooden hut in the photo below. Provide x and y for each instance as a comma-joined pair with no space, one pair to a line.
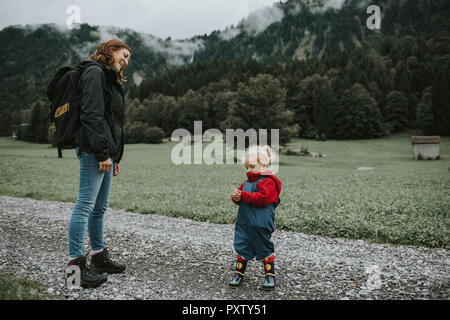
426,147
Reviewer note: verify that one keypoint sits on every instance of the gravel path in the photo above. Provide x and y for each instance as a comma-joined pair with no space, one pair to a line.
173,258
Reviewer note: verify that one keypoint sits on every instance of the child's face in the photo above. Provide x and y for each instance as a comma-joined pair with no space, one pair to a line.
253,166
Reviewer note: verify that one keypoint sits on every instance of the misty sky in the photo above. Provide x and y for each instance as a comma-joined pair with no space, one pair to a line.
178,19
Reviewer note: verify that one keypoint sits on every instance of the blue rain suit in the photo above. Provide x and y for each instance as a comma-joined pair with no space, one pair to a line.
254,227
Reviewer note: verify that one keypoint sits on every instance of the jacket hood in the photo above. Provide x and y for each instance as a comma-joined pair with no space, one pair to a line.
110,71
255,176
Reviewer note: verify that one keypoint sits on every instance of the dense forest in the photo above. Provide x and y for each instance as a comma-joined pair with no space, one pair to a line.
316,72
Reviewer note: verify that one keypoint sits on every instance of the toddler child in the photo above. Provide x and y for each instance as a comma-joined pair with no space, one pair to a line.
257,198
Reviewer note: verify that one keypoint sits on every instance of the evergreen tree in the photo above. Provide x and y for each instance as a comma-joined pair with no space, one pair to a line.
313,105
261,104
5,124
425,116
37,131
218,107
441,105
166,113
193,107
357,116
396,111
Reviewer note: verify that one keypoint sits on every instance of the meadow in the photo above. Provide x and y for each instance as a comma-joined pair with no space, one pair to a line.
14,288
400,201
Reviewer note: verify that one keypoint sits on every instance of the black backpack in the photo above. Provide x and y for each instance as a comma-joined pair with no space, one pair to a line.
65,100
65,97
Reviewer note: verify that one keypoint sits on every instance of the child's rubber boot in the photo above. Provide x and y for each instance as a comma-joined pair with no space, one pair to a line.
239,274
269,273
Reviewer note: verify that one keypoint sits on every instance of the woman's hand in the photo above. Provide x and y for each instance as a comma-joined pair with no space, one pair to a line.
105,166
116,169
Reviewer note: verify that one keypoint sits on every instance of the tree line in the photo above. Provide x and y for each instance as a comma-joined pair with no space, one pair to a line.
353,84
342,95
356,95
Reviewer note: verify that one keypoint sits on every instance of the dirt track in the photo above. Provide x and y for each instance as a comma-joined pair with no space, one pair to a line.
172,258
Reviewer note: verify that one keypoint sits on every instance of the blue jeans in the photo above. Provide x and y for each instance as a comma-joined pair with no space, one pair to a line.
92,202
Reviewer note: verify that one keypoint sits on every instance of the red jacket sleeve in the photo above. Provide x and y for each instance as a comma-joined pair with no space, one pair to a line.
266,194
239,188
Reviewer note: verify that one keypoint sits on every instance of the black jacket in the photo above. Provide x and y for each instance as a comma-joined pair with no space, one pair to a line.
102,112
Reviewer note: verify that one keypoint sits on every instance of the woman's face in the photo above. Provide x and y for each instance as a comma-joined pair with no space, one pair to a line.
120,59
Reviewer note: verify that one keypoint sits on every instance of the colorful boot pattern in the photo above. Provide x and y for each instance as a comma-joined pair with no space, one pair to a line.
239,274
269,273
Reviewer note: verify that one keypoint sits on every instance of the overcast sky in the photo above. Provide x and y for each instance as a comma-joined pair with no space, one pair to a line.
178,19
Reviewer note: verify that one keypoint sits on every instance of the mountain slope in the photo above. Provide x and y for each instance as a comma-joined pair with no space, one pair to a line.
303,29
295,30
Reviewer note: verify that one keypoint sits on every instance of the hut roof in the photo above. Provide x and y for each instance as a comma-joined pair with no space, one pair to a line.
425,139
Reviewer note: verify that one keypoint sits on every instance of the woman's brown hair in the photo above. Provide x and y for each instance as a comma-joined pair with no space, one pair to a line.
104,51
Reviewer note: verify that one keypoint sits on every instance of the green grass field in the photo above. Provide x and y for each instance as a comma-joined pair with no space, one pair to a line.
14,288
401,201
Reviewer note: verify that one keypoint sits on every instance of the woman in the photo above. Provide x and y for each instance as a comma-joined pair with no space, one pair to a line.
99,149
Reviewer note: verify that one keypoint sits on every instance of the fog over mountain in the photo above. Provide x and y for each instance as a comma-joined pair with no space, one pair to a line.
169,18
